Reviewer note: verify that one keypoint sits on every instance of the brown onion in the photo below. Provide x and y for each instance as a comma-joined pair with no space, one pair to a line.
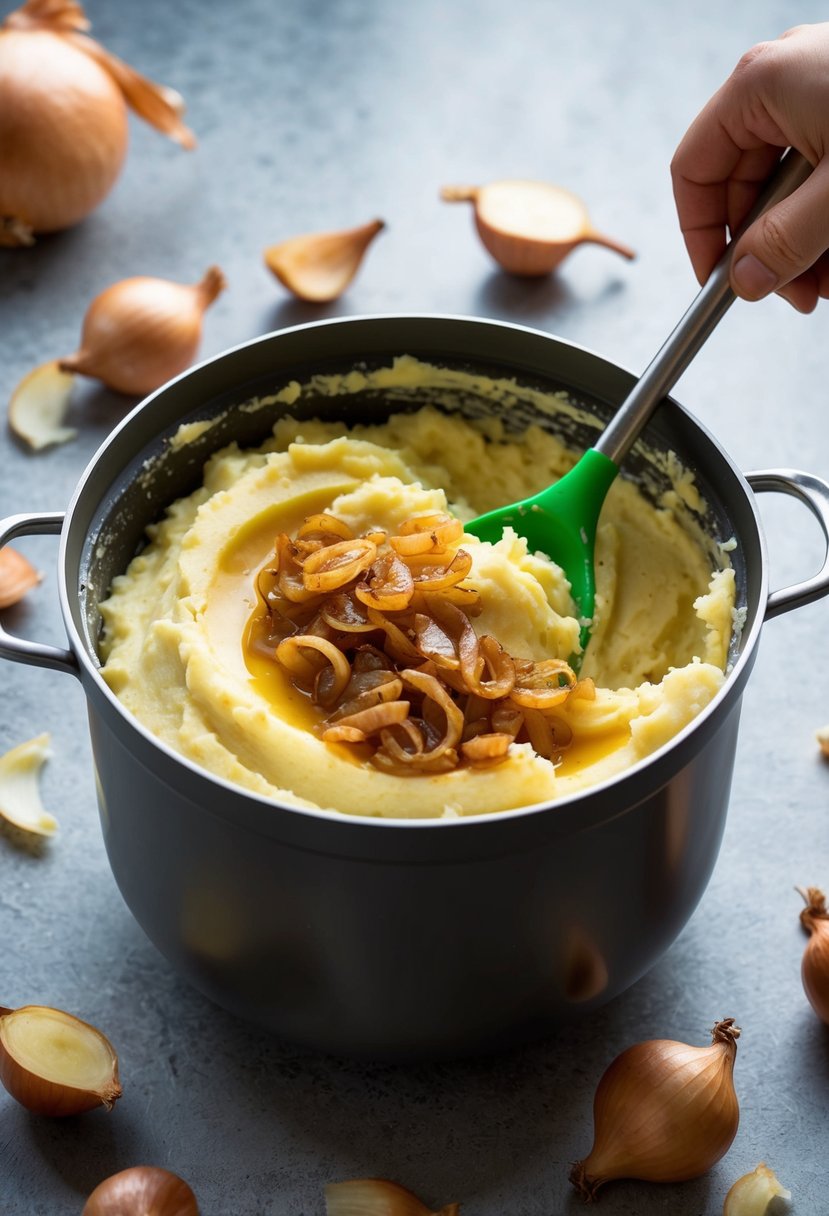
63,118
142,1190
486,747
289,653
332,566
390,585
814,970
663,1112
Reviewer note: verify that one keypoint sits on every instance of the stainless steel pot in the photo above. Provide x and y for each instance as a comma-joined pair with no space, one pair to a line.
395,938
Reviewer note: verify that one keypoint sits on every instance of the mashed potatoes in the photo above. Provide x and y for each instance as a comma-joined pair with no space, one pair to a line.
175,621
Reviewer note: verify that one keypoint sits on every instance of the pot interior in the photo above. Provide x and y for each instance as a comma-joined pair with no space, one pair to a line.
143,467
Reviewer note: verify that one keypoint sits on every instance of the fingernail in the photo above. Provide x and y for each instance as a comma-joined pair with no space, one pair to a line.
753,278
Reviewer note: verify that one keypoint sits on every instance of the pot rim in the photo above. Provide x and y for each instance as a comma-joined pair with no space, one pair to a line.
631,784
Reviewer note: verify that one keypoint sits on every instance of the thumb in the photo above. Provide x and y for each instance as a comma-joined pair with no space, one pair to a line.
785,241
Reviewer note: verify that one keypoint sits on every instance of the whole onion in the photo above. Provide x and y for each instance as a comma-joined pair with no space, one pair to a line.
63,118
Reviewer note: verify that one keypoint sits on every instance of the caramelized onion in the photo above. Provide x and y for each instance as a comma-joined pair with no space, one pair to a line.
323,525
539,685
400,647
377,716
426,534
377,631
507,718
289,572
345,613
486,747
447,527
340,733
388,689
432,689
431,577
390,585
501,669
331,567
289,653
434,643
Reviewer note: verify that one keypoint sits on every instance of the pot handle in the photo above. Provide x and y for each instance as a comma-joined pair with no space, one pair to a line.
814,493
36,654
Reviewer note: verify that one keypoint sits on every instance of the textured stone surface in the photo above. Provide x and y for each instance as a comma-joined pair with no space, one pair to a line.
315,115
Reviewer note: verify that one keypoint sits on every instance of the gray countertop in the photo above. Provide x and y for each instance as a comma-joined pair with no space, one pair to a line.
321,115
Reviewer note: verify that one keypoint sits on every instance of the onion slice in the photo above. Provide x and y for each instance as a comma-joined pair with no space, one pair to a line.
331,567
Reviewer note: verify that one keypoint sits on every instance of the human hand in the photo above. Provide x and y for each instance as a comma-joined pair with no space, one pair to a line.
776,97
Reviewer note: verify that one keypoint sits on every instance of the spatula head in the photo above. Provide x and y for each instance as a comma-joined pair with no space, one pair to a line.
561,522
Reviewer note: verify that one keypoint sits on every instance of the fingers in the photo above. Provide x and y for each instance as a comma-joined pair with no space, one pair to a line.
717,174
781,248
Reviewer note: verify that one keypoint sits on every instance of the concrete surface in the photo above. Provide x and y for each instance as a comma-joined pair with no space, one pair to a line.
320,115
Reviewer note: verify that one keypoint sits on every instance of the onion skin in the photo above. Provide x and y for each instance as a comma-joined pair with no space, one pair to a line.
61,149
663,1112
814,968
143,1190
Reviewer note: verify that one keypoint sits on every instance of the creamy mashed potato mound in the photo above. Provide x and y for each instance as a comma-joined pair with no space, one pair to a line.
175,621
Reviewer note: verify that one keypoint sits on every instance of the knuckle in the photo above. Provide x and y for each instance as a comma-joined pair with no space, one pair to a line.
778,240
759,62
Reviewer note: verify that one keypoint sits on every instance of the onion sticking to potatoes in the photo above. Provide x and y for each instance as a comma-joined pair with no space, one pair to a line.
143,1190
54,1064
376,630
63,118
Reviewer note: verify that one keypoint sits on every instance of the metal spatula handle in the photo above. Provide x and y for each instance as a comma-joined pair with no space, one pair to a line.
697,324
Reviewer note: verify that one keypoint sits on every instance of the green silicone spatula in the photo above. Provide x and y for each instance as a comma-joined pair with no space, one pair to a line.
561,520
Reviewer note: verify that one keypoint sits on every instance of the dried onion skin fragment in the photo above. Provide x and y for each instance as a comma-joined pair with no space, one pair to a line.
17,577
